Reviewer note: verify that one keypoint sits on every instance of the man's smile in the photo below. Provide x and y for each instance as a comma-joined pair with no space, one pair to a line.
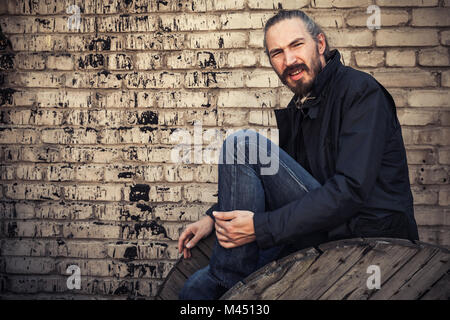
296,72
296,75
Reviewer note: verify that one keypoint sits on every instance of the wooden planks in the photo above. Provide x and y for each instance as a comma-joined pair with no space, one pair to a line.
170,289
196,262
340,271
322,273
422,280
267,282
353,284
392,285
336,270
184,268
440,290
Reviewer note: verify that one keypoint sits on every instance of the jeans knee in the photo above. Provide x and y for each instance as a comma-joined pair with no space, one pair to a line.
235,144
241,134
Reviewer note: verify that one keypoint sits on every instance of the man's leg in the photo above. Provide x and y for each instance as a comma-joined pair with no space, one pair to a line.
202,285
247,183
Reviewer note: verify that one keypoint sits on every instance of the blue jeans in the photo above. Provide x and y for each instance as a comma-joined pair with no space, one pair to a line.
248,182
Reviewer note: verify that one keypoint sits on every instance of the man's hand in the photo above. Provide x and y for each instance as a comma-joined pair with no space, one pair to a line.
234,228
193,233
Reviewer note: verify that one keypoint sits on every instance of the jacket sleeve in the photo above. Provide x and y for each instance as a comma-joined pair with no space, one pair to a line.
364,130
209,212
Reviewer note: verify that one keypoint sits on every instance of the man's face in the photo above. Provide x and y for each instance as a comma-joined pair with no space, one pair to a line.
294,55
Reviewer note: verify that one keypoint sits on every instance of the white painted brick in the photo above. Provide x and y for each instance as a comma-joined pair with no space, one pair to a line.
154,41
277,4
217,40
434,57
200,192
88,114
401,58
149,61
189,22
244,20
153,80
262,78
97,192
247,98
214,79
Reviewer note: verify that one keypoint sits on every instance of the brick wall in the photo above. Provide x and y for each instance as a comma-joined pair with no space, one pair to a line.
87,114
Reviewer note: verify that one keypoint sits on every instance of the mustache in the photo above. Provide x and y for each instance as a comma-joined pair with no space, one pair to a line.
294,67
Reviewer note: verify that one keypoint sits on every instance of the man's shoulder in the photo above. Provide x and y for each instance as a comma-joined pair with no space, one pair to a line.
351,78
353,82
352,85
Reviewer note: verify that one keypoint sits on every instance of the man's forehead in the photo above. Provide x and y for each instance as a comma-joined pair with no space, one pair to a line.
284,31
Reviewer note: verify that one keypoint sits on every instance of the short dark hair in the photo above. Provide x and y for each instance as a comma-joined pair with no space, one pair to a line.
313,28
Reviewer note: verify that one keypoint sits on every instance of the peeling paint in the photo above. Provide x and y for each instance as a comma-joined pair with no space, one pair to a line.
91,60
6,96
147,117
139,192
7,61
100,44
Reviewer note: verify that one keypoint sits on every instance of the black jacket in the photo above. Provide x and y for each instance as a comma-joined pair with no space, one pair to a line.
355,150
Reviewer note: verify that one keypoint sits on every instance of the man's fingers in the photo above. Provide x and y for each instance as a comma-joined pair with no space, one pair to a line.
193,241
222,226
223,231
180,244
186,253
231,242
220,230
185,242
226,243
184,239
224,215
222,236
228,237
181,240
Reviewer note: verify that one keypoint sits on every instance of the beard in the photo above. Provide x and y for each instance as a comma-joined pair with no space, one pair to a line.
302,87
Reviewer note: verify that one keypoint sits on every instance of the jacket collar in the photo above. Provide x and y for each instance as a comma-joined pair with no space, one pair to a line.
322,79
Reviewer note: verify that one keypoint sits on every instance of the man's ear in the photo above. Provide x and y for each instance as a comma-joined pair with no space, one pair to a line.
321,43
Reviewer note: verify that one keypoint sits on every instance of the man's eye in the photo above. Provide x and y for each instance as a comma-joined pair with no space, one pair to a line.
298,44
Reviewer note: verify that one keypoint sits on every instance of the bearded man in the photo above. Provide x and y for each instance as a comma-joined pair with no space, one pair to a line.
341,166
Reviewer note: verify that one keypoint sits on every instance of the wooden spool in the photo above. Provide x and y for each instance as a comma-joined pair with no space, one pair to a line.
336,270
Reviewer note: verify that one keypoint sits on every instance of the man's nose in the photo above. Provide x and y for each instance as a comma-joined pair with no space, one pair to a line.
290,58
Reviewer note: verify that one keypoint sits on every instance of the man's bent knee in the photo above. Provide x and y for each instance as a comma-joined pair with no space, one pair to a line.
249,147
